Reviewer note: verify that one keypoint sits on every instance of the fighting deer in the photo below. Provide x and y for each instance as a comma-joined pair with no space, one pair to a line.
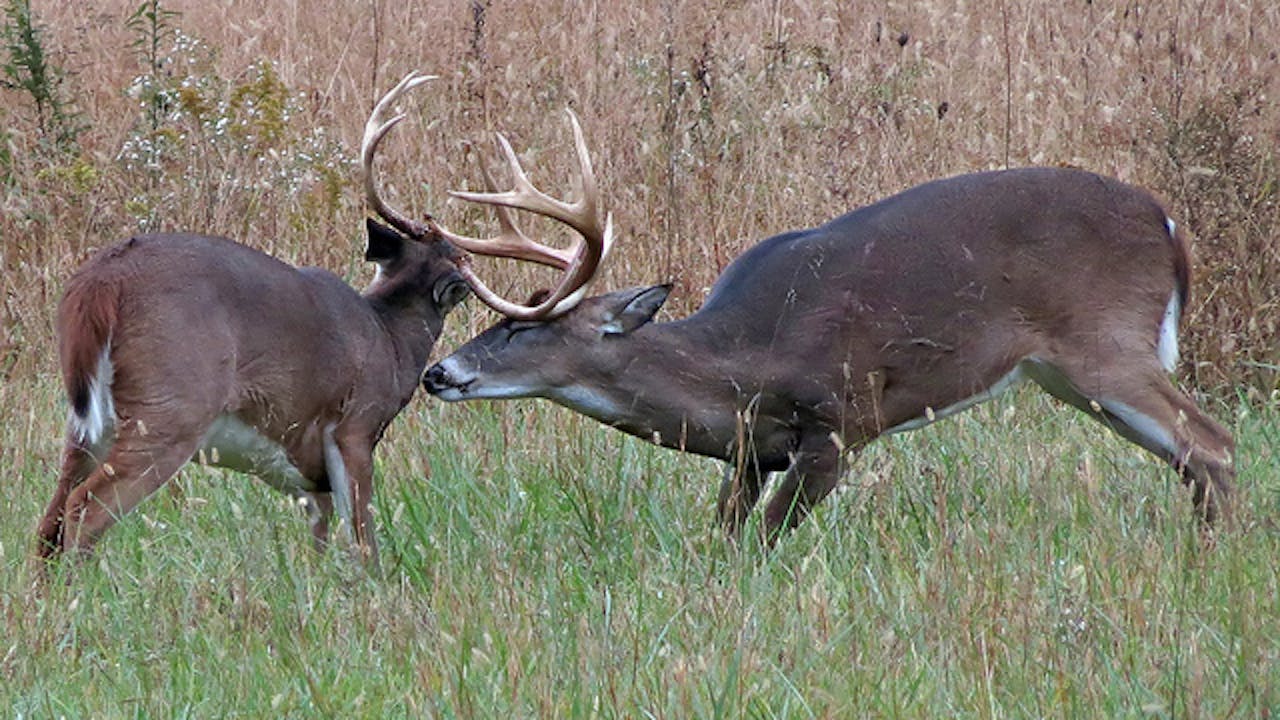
815,342
178,346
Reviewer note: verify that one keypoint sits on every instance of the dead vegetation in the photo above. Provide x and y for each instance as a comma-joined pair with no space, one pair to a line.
713,125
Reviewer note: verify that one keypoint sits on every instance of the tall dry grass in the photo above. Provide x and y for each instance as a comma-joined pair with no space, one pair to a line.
713,125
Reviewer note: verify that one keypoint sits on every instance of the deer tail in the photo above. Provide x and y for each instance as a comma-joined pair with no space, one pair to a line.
1167,344
1181,260
87,317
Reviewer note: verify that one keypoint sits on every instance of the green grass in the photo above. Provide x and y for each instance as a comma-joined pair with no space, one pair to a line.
1012,562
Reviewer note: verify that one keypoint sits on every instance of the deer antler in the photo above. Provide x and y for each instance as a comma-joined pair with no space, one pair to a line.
583,216
579,265
374,130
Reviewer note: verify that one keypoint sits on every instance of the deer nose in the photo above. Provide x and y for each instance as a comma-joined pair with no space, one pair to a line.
437,379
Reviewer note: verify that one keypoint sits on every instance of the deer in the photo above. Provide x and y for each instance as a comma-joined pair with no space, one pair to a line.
178,346
814,342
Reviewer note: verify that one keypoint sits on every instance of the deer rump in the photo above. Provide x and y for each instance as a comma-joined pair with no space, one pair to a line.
127,343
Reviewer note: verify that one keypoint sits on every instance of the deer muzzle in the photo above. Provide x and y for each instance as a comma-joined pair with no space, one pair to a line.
444,384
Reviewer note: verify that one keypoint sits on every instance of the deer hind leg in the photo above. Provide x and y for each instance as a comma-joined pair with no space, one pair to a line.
77,464
1142,405
135,467
739,491
814,472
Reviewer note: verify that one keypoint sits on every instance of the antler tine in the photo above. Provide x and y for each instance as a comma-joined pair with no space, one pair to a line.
374,130
582,215
511,242
567,294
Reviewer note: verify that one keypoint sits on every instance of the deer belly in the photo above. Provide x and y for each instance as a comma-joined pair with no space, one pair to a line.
932,415
232,444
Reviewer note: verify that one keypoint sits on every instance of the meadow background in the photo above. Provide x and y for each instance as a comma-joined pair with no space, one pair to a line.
1013,562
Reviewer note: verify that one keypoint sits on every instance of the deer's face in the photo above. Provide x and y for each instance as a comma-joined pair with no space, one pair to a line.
422,274
548,358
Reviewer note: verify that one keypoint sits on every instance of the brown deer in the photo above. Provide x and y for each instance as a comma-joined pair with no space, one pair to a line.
177,346
815,342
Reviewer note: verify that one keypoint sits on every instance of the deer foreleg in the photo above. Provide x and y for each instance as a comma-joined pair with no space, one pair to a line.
349,460
739,492
815,470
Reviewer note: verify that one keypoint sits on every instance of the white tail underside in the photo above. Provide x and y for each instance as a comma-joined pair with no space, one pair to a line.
100,415
1167,346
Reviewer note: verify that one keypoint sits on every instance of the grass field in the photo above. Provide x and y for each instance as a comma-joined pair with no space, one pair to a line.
1016,561
1008,563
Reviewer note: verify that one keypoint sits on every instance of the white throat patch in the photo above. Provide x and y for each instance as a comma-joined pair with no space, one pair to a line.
586,401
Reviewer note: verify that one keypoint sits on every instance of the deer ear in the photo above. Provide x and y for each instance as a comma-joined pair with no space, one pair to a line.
634,309
384,245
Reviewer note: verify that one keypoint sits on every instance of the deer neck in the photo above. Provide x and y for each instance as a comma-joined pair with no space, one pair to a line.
409,333
664,383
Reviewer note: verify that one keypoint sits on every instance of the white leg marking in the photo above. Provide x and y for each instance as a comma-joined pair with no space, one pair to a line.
339,483
1014,377
1151,435
100,416
1167,346
1157,436
311,507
